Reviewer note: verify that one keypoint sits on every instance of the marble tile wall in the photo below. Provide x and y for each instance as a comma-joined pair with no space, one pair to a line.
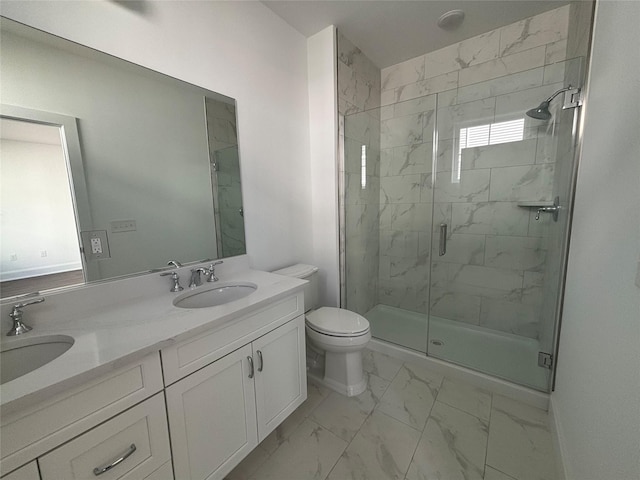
493,272
358,102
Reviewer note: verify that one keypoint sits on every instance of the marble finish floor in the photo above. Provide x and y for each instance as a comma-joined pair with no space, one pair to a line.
410,424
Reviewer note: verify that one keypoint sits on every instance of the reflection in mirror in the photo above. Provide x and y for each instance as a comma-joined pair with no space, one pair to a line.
157,175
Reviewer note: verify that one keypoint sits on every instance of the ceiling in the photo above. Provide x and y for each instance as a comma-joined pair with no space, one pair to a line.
389,32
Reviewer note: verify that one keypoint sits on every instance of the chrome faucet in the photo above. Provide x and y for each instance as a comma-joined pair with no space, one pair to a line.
16,315
176,281
174,263
211,271
195,277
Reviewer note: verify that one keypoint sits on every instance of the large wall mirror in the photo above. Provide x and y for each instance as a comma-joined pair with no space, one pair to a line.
108,169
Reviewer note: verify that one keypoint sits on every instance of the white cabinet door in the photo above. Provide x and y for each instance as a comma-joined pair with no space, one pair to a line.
281,386
130,446
28,472
212,418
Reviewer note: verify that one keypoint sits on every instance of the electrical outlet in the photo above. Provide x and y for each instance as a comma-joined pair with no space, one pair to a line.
95,245
43,253
118,226
13,257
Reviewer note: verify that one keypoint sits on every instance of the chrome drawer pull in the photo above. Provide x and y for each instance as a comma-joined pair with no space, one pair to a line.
250,366
100,470
261,361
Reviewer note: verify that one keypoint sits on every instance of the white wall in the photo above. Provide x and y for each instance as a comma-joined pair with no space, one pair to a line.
240,49
323,117
34,190
596,403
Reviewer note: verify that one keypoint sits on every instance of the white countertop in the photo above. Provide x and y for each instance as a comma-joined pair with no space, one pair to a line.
107,337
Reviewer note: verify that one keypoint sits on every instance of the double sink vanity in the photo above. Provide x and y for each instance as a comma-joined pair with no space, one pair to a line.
126,379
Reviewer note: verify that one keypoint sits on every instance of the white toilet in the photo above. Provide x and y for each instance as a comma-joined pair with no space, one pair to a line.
335,338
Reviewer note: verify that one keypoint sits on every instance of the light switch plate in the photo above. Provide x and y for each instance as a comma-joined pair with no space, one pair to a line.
95,245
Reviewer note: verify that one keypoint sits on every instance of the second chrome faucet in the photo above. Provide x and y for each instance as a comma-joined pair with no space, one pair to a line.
210,272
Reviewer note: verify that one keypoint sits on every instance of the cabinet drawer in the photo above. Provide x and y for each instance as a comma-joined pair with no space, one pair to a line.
132,445
33,431
28,472
190,355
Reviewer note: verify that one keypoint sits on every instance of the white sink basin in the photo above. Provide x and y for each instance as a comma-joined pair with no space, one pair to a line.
214,295
21,356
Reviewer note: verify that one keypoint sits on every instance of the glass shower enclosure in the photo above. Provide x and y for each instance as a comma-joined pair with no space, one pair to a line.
450,245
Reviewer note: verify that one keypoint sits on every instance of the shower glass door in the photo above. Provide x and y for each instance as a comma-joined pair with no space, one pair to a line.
495,167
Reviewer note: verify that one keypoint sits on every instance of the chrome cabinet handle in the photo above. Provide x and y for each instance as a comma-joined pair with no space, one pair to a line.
443,239
250,366
100,470
261,361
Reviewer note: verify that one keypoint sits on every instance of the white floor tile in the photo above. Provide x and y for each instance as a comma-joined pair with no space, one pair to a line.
493,474
519,441
382,450
452,447
308,454
410,396
380,365
466,397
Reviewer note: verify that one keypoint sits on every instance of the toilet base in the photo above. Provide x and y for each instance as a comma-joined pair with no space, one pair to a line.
348,391
341,372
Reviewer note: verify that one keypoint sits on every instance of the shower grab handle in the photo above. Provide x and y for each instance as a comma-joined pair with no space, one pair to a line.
443,239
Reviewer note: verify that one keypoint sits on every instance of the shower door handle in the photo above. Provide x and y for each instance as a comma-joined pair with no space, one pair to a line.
443,239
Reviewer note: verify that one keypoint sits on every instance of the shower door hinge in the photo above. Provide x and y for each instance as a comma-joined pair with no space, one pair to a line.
572,98
545,360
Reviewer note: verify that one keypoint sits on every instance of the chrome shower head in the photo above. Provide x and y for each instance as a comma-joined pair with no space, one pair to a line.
541,112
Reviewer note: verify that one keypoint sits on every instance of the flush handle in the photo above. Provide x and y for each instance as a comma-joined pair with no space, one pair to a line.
443,239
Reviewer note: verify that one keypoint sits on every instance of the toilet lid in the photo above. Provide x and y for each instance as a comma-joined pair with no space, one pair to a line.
337,322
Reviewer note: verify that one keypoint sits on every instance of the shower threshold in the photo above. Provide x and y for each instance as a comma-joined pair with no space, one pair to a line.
504,355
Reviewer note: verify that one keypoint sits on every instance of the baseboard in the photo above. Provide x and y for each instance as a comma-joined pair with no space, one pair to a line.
557,439
523,394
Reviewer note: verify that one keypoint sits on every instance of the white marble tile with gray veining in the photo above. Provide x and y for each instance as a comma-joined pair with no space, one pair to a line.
381,450
404,73
411,270
363,127
309,453
499,218
407,216
472,51
408,160
400,131
472,186
397,294
520,443
452,447
400,189
511,317
466,397
380,365
432,85
444,277
516,253
515,82
463,248
525,183
398,243
344,416
555,52
352,56
249,466
502,66
480,276
518,102
500,155
411,394
554,73
493,474
547,27
532,288
452,305
416,105
361,220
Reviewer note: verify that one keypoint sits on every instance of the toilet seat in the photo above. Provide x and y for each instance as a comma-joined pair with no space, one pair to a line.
337,322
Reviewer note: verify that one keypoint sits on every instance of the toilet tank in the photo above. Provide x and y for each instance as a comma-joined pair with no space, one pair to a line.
304,272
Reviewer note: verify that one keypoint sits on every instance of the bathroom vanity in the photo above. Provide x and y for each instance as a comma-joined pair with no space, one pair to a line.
149,390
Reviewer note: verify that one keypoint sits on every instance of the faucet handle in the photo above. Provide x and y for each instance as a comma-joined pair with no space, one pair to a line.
211,271
16,315
176,281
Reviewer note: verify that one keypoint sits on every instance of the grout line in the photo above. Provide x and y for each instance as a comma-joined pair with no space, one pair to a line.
486,451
